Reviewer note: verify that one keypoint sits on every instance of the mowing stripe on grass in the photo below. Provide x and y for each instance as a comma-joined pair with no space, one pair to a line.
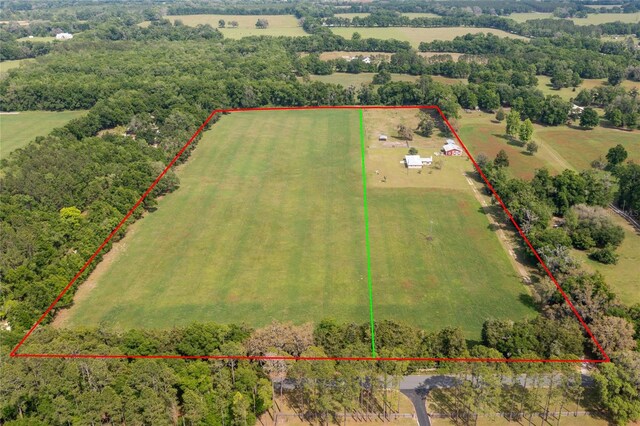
366,231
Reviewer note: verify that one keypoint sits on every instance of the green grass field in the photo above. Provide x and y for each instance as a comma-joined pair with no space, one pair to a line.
417,35
5,66
567,93
591,19
563,147
17,130
268,224
279,25
37,39
346,79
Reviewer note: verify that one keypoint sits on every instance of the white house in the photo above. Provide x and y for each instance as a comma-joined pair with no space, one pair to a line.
416,162
64,36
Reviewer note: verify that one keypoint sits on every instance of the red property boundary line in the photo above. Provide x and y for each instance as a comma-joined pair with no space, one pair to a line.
14,353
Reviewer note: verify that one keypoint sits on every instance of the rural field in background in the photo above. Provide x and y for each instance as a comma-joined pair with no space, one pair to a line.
279,25
591,19
417,35
268,224
17,130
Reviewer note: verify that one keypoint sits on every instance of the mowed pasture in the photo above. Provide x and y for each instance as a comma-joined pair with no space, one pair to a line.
417,35
268,224
560,147
279,25
435,257
567,93
563,147
17,130
337,54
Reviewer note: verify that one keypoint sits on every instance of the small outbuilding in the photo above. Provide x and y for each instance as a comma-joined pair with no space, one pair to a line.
64,36
382,138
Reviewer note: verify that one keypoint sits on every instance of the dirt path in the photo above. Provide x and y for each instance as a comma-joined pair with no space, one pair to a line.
84,289
507,243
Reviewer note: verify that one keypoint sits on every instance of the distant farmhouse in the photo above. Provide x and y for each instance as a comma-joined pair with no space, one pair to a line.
451,149
64,36
416,162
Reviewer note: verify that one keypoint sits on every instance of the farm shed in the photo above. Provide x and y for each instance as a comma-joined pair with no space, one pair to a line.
450,148
382,138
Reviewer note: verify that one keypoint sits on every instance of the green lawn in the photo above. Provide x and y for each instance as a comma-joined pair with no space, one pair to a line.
268,224
279,25
17,130
417,35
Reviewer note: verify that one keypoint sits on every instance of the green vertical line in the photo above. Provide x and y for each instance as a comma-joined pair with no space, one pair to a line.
366,231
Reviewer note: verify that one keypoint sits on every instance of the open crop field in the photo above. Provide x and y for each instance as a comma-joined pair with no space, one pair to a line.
417,35
279,25
17,130
268,224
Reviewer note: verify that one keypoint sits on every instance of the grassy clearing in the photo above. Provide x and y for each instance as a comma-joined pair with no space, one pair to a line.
47,39
560,148
417,276
342,53
603,18
567,93
279,25
417,35
5,66
346,79
623,277
591,19
17,130
268,225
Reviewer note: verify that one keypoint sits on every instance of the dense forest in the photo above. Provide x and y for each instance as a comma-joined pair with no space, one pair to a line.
63,193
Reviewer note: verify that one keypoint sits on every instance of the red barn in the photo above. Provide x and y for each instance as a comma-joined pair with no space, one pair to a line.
450,148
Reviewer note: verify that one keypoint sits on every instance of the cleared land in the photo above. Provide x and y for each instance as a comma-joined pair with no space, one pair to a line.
567,93
417,35
279,25
346,79
591,19
341,53
563,147
17,130
37,39
5,66
269,224
435,257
